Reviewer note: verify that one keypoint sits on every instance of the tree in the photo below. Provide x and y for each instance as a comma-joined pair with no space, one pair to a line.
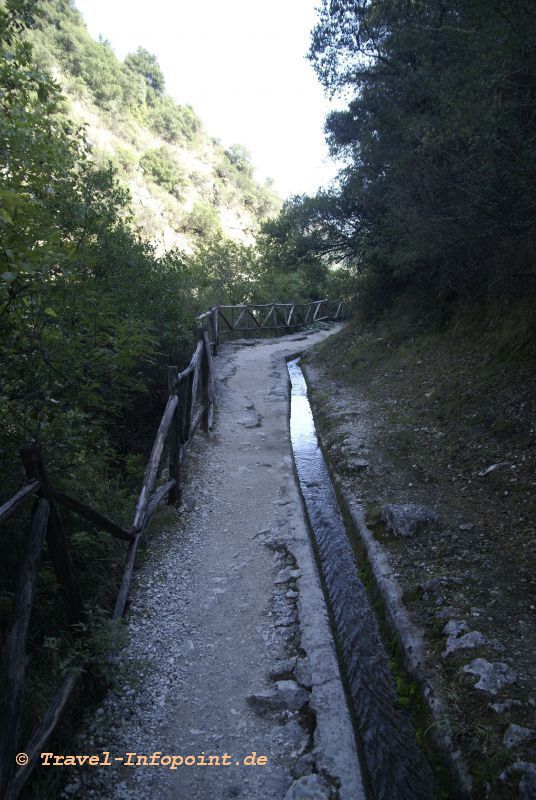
439,138
175,123
239,156
146,64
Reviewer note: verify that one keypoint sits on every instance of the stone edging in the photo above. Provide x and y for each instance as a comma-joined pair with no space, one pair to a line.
409,636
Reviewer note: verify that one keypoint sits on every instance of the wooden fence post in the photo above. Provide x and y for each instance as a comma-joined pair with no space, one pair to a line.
174,441
191,392
209,391
203,375
276,311
14,659
187,416
213,330
57,543
216,329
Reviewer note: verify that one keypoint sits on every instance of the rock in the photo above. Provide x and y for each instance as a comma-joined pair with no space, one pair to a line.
282,669
516,735
293,696
469,640
407,518
302,673
527,786
455,627
493,467
448,611
303,766
283,576
465,642
310,787
466,526
280,604
519,766
285,694
287,574
296,737
188,505
433,585
492,675
358,464
500,708
186,648
284,620
252,421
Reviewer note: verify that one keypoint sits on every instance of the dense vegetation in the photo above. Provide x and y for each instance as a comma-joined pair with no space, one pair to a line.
91,312
433,217
437,201
88,314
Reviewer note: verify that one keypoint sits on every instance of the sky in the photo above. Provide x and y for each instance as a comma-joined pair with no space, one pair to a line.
241,65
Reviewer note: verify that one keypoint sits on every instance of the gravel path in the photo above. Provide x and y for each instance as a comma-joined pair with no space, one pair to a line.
230,650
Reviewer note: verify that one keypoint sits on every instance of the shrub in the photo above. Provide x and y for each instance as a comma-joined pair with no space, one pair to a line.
160,166
126,159
146,65
176,124
203,220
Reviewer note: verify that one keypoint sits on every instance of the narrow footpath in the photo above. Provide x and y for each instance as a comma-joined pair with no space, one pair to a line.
230,650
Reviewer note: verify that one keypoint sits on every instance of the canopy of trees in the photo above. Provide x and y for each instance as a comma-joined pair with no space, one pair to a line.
146,64
438,197
90,313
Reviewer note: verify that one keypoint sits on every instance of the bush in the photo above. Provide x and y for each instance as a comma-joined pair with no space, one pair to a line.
146,66
176,124
126,159
160,166
203,221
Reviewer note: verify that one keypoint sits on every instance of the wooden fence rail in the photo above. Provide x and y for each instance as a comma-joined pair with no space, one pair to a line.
190,404
279,318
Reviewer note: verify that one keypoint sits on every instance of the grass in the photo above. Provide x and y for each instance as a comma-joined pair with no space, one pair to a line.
448,403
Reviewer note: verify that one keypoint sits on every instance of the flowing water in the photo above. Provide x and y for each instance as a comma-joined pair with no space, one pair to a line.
395,766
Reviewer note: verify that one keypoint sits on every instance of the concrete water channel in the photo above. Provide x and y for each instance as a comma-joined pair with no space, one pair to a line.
393,765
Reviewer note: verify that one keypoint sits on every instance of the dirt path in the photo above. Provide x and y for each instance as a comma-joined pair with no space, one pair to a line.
228,591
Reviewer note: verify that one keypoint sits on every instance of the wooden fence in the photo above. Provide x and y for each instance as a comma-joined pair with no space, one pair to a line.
278,318
190,405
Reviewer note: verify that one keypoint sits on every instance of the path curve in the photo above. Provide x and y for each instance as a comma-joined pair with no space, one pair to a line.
230,649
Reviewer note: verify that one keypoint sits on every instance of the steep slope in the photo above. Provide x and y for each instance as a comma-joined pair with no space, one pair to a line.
185,185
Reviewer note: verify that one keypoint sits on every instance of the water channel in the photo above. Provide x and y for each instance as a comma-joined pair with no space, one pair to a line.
394,766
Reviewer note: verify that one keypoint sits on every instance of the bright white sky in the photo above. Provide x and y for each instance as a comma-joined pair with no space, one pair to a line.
241,64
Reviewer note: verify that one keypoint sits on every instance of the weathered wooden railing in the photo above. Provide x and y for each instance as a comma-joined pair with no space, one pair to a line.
190,404
280,318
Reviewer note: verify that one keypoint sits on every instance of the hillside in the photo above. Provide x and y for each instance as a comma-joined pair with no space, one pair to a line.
121,219
444,420
185,186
